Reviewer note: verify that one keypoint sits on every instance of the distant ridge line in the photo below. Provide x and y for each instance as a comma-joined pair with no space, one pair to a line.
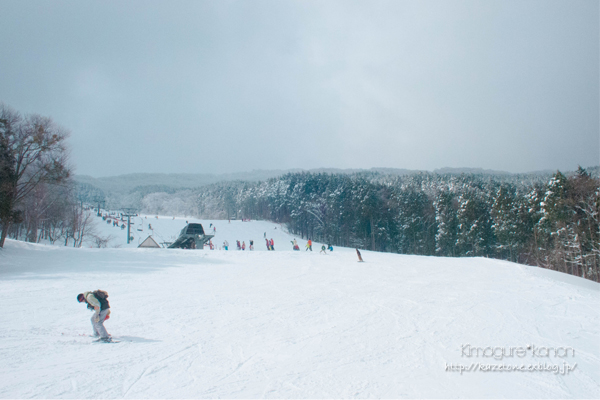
124,183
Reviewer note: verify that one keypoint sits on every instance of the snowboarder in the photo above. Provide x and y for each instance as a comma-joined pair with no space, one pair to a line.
98,302
359,256
309,245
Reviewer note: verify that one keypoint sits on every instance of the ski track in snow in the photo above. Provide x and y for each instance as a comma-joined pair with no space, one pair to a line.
241,324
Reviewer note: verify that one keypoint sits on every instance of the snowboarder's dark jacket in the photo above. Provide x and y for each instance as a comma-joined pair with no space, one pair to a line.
94,301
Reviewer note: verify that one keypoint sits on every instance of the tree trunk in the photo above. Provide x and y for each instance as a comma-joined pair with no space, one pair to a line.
372,235
5,228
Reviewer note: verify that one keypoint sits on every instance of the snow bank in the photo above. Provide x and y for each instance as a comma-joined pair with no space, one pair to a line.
207,324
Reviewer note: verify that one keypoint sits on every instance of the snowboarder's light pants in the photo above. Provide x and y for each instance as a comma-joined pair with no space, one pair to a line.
99,329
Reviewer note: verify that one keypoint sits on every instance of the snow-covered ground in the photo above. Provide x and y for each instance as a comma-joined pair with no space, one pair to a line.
208,324
167,229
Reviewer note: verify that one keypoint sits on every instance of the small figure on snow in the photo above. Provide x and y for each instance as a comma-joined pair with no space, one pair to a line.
97,301
359,257
272,244
295,244
243,245
330,247
226,245
309,245
323,248
251,245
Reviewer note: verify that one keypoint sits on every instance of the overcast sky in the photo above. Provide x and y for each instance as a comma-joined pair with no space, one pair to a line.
233,86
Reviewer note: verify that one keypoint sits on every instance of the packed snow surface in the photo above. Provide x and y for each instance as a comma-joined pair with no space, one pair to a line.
289,324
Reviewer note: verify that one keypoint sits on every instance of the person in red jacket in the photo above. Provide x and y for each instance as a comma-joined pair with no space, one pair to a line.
309,245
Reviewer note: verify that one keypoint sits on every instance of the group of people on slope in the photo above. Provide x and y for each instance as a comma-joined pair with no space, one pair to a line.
240,246
270,244
243,245
309,246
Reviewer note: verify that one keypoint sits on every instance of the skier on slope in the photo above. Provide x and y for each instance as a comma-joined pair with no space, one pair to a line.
98,302
309,245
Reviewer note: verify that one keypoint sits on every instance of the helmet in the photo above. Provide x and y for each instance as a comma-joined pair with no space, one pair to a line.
80,297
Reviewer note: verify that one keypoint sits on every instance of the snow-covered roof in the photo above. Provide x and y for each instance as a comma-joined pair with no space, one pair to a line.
149,242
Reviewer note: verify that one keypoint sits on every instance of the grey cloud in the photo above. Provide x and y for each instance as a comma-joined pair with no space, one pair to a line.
216,87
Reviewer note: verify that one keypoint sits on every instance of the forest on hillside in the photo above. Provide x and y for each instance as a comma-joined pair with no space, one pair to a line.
550,223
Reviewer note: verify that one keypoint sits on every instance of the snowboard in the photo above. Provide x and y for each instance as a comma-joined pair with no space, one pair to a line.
109,340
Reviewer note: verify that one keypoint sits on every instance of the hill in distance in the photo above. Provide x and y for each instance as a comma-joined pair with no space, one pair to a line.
125,183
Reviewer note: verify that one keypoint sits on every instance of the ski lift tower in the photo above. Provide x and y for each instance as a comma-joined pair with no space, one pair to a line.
99,201
129,212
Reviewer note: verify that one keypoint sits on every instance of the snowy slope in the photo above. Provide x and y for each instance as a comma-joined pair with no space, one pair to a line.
207,324
167,229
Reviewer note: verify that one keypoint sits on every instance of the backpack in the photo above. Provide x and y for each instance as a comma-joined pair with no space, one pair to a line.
102,297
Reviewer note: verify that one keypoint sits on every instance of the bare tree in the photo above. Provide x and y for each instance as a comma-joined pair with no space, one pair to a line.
101,241
79,225
35,149
56,212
